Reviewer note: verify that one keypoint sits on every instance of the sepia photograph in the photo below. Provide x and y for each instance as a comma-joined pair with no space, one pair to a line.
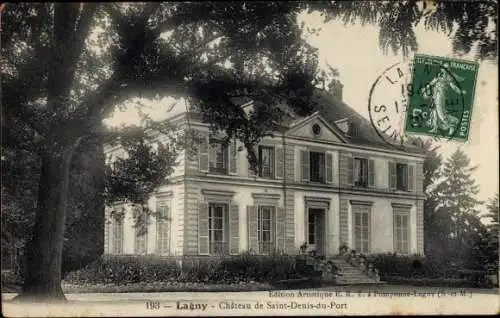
260,158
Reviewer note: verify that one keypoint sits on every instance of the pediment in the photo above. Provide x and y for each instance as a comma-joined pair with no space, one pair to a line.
315,127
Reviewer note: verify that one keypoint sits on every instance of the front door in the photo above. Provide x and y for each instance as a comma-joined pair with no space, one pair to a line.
316,230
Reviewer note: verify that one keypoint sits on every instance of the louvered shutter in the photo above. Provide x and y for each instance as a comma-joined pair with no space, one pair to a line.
203,153
392,175
251,172
233,158
253,223
371,173
234,228
411,178
329,168
280,228
203,232
279,156
350,170
304,165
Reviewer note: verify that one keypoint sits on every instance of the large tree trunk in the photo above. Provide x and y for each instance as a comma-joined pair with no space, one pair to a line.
42,276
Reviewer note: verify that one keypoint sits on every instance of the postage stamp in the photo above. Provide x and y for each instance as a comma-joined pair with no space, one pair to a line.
441,96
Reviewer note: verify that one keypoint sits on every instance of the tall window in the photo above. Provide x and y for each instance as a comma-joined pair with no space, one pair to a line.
162,226
218,228
266,229
317,166
117,235
360,172
266,160
361,229
401,230
218,158
311,233
141,243
402,176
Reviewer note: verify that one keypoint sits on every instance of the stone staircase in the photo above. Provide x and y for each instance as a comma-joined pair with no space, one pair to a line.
349,274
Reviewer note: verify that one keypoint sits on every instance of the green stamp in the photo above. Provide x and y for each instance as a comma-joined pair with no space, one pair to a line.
441,97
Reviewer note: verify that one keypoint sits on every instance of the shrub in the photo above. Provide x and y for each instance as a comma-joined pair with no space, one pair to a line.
245,267
410,266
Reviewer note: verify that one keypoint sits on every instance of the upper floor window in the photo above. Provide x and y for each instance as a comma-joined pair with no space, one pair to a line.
401,176
266,160
316,166
360,172
218,158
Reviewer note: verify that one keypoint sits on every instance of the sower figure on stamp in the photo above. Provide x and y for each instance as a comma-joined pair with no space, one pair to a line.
436,91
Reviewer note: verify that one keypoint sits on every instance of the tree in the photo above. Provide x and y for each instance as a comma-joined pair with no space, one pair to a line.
457,199
472,25
61,78
492,213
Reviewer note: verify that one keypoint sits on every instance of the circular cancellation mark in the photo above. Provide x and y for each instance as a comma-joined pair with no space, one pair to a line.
429,101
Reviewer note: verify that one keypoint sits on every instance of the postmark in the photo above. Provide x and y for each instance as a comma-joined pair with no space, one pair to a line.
429,96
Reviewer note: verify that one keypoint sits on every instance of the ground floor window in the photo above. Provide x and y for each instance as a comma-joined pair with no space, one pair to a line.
401,233
162,226
266,229
361,220
117,231
218,228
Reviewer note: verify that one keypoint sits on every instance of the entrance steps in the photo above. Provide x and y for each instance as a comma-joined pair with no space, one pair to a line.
349,274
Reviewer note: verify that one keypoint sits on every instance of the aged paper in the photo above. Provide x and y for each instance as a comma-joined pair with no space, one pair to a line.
344,214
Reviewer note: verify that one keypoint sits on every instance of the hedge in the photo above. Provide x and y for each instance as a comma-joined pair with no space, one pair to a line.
121,270
411,266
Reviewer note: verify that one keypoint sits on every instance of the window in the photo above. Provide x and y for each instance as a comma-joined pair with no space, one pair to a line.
266,161
361,220
402,177
311,237
317,166
401,225
117,235
218,158
163,226
265,229
218,228
360,172
141,241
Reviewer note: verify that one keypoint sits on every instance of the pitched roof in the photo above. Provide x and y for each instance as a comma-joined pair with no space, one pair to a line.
333,110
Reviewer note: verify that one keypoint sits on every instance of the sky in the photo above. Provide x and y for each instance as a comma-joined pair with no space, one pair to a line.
354,50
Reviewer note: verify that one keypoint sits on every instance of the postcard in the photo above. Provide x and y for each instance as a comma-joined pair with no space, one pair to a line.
249,158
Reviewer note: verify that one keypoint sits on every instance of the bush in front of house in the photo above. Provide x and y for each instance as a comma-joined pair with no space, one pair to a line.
245,267
410,266
125,269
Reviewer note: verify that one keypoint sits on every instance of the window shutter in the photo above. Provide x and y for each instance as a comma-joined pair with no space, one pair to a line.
251,172
279,156
350,170
233,158
304,165
253,222
203,153
392,175
234,229
280,228
329,168
371,173
394,232
411,178
203,236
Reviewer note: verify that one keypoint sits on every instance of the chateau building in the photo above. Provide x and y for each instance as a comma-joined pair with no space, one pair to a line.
326,179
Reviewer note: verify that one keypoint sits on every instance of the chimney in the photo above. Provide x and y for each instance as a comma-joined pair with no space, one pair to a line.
335,89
